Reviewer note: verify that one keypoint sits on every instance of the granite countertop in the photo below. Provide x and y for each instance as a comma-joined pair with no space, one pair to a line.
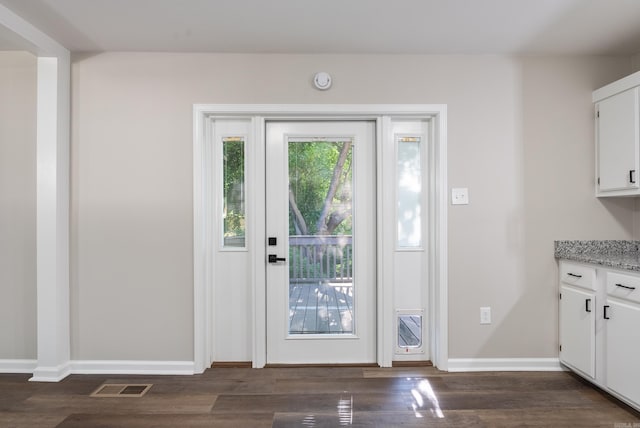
615,254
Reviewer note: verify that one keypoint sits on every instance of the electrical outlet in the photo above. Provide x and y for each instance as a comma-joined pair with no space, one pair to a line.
485,315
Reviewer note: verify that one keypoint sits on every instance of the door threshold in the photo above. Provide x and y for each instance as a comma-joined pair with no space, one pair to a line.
412,363
278,366
231,365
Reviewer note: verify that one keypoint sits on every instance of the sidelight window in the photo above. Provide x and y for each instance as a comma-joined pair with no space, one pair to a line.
233,208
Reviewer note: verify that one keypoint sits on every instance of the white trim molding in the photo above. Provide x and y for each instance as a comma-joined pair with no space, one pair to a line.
133,367
204,114
505,365
18,366
616,87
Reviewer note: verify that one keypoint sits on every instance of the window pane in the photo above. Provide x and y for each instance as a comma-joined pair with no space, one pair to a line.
321,283
233,192
409,196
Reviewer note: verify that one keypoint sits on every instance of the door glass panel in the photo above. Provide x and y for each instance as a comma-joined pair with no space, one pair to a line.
409,207
321,285
233,215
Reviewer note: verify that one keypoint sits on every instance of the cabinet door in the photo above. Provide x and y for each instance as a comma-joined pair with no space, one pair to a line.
577,329
618,141
622,350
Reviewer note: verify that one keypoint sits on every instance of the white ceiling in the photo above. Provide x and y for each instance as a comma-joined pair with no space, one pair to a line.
610,27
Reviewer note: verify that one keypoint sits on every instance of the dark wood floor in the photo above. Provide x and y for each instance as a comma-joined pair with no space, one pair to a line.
317,397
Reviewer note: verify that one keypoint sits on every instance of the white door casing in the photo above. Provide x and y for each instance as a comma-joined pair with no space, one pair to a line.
384,116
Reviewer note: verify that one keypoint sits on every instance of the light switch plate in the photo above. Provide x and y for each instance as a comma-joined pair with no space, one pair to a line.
459,196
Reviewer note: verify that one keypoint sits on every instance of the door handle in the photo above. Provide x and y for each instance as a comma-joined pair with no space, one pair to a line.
587,305
631,177
606,315
273,258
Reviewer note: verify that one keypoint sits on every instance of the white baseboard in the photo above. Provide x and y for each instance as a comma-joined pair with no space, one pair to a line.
115,367
18,366
50,373
504,364
133,367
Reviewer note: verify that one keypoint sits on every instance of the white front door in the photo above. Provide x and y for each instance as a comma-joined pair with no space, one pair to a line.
321,245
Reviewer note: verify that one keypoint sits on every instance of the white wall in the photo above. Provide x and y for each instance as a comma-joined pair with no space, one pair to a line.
546,190
520,138
17,205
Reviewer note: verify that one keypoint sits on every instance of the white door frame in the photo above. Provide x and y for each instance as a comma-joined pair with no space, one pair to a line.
204,246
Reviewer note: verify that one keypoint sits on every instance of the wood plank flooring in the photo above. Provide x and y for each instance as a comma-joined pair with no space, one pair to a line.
317,397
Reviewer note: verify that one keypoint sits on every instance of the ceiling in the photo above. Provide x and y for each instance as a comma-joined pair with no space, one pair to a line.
600,27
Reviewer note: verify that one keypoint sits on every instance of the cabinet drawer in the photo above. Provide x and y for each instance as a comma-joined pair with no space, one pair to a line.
623,286
578,275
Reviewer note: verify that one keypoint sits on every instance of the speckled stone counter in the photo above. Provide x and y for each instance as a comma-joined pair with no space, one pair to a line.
614,254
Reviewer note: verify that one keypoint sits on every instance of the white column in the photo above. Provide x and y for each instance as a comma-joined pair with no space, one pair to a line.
52,149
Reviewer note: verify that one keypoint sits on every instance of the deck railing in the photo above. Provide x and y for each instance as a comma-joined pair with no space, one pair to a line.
318,258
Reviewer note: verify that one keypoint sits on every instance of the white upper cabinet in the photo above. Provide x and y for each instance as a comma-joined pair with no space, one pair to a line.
618,138
617,126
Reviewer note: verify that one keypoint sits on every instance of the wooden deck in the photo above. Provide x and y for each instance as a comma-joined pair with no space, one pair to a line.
321,307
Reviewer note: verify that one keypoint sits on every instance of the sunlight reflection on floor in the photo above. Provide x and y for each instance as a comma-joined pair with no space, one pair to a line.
425,399
345,413
422,400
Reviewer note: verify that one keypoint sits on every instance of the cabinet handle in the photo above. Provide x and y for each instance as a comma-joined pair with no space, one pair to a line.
632,180
625,286
574,275
606,316
587,305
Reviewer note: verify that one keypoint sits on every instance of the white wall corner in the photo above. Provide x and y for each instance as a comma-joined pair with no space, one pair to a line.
53,164
504,364
52,218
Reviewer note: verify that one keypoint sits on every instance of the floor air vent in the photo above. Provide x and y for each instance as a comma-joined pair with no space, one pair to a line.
121,390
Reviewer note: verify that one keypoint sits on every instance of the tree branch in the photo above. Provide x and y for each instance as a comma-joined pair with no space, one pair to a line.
298,219
333,187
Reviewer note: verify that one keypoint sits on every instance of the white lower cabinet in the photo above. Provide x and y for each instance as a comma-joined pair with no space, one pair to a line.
622,349
600,327
577,329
